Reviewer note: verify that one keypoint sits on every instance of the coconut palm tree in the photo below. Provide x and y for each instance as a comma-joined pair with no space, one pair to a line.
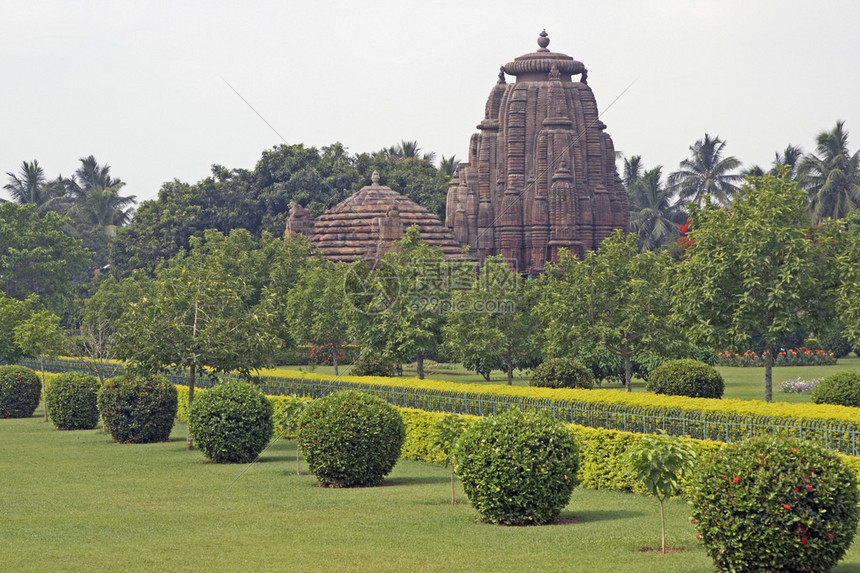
103,209
30,186
831,176
632,170
706,172
448,165
654,217
90,174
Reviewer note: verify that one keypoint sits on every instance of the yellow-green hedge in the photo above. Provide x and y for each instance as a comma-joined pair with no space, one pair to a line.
600,449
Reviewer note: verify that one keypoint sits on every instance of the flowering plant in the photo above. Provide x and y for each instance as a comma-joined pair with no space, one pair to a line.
798,385
791,357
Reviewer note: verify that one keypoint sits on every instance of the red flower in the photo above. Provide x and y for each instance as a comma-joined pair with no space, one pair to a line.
786,506
736,480
685,227
699,536
803,540
830,535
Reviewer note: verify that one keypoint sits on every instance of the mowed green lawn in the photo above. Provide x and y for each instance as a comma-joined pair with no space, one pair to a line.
741,383
76,501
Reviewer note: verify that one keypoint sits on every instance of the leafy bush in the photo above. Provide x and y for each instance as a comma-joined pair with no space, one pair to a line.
351,438
72,399
517,469
773,503
232,422
604,364
686,378
138,409
842,388
643,364
372,364
20,391
561,373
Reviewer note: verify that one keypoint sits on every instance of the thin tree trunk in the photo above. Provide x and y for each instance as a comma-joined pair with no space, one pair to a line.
627,371
419,364
662,526
768,372
189,441
510,364
453,501
44,389
334,359
298,454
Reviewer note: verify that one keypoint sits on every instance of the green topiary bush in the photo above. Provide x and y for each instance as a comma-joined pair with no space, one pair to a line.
517,469
842,388
138,409
20,391
371,364
686,377
232,422
775,504
72,399
351,438
561,373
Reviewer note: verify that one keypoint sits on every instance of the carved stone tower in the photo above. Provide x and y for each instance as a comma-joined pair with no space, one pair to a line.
541,171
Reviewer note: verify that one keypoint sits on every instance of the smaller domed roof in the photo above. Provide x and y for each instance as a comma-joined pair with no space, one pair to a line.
368,222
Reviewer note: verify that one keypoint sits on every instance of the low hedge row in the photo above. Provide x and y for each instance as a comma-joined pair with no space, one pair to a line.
721,420
600,450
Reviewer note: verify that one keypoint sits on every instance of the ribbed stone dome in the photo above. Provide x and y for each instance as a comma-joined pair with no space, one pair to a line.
368,223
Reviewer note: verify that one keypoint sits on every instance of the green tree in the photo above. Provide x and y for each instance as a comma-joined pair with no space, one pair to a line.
616,297
849,289
38,257
658,462
40,336
12,313
29,186
195,316
654,217
317,309
448,165
490,323
411,283
757,268
832,177
706,172
448,431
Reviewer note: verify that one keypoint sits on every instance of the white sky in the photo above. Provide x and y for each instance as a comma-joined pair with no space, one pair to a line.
139,85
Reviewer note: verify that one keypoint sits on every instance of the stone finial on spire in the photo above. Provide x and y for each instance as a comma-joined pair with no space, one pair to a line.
543,41
375,178
501,75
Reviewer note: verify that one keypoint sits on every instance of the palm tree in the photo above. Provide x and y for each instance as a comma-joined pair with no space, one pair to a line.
832,177
102,208
706,172
632,170
654,218
30,186
90,174
448,165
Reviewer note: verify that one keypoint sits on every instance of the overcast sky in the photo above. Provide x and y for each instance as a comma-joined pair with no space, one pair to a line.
142,85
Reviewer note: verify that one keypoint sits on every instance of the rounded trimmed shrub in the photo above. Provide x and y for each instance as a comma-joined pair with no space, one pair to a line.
351,438
232,422
138,409
686,377
842,388
20,391
561,373
517,469
775,504
371,364
72,399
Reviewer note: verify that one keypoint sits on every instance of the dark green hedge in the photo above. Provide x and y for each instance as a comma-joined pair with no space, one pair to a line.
72,399
20,391
232,422
138,409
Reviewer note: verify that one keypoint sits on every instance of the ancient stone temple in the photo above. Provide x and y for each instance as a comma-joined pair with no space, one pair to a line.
541,170
368,224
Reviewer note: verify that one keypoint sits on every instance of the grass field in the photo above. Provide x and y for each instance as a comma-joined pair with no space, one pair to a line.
741,383
76,501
